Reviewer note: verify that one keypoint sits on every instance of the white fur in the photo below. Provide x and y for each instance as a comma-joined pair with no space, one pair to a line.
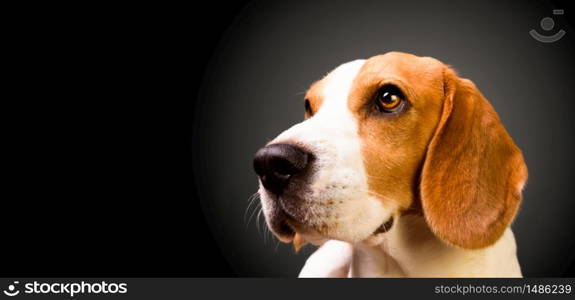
341,180
410,249
332,259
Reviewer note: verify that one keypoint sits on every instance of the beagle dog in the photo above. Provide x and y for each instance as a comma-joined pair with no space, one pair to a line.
400,169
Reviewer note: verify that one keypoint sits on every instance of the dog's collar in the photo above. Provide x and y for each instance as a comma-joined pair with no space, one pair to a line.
384,227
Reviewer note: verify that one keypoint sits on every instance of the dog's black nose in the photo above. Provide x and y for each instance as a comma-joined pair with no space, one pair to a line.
276,164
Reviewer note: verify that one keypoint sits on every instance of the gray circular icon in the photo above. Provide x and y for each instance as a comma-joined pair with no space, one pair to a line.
547,23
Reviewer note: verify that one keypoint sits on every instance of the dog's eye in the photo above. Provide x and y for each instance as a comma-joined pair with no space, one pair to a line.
308,110
389,99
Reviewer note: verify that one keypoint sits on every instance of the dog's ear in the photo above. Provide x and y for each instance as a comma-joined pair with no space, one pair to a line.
473,173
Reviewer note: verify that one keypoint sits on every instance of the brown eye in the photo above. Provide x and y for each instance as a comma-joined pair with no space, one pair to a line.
308,109
389,99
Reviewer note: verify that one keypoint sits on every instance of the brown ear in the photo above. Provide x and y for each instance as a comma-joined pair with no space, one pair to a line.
473,173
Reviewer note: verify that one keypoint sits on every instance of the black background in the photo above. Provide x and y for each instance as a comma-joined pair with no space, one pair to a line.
99,180
97,117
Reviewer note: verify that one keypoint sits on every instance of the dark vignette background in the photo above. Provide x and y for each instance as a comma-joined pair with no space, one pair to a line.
98,112
99,116
254,85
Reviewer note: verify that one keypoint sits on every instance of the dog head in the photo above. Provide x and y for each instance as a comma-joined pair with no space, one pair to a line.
385,136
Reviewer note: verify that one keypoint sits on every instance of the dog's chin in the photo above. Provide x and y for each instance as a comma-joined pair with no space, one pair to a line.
278,224
287,217
285,237
285,228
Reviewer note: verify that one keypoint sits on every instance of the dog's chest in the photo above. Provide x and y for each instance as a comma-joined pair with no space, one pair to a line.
369,262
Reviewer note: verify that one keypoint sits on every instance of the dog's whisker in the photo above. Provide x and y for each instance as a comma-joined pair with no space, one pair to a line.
246,220
258,218
254,200
251,200
252,214
254,195
266,230
261,232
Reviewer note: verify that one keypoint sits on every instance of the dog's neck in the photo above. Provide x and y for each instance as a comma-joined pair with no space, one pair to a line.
410,249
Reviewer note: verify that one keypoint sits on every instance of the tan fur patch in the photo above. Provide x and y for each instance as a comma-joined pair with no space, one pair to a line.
298,242
447,152
393,146
315,97
473,171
